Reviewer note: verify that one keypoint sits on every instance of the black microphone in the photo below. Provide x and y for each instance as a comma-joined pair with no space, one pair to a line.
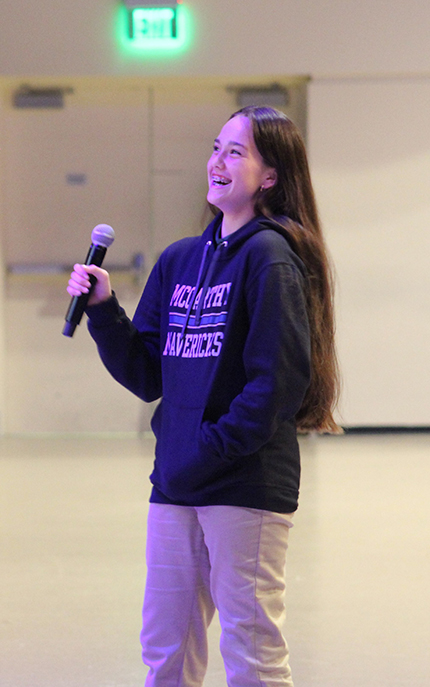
102,236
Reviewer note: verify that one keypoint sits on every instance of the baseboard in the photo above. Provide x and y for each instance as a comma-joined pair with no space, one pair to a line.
387,429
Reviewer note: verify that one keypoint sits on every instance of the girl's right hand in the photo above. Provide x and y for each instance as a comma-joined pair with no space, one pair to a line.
79,283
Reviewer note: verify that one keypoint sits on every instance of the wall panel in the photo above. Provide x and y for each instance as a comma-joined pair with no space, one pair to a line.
370,152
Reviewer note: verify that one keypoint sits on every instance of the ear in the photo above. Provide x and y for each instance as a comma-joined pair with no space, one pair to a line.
271,177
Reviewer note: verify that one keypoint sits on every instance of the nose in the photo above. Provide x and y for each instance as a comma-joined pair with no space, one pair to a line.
219,158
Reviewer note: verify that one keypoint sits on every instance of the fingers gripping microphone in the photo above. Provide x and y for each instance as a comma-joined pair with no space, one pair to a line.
102,236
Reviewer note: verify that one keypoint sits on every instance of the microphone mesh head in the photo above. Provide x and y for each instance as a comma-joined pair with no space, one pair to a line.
102,235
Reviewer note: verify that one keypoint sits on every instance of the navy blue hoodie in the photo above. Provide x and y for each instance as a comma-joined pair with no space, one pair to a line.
221,335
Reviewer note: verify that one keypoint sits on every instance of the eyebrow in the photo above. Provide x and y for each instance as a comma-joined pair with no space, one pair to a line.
231,143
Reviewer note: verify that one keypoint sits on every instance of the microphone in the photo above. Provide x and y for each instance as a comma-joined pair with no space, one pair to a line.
101,238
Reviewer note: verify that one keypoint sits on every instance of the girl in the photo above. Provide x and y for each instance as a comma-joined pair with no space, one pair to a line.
235,332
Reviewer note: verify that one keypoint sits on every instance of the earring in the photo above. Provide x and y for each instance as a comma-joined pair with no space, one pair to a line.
262,189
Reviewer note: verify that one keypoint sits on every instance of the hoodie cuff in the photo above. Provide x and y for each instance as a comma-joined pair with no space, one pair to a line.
104,314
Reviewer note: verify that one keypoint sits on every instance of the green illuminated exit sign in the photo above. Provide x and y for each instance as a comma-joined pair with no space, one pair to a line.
156,24
153,23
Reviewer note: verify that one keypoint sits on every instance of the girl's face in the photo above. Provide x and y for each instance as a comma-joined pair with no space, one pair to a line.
236,171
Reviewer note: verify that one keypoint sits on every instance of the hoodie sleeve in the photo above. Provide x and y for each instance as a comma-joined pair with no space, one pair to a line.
277,364
131,353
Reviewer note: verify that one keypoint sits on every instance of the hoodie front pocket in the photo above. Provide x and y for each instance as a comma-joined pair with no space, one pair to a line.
182,463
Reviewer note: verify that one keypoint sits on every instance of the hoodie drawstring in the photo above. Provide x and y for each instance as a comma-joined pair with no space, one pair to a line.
199,285
208,277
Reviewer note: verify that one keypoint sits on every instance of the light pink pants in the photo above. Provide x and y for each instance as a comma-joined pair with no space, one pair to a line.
223,557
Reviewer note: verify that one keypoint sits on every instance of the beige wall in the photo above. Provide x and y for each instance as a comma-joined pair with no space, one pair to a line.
369,142
144,149
241,39
141,129
2,293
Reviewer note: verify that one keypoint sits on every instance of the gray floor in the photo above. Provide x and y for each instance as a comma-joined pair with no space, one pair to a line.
73,513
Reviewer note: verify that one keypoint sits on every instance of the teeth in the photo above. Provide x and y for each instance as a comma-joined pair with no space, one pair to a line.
219,181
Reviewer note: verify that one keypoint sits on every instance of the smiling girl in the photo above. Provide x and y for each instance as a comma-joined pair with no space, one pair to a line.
234,332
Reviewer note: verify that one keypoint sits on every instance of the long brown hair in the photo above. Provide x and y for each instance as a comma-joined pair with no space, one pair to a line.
291,202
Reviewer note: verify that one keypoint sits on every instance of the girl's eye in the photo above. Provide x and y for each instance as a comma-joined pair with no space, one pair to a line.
235,152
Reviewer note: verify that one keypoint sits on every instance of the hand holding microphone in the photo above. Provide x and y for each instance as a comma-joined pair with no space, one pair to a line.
89,284
80,283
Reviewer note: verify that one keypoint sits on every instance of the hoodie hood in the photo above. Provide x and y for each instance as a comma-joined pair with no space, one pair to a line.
233,242
216,250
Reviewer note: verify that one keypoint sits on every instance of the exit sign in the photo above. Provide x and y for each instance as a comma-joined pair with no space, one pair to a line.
156,27
151,28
